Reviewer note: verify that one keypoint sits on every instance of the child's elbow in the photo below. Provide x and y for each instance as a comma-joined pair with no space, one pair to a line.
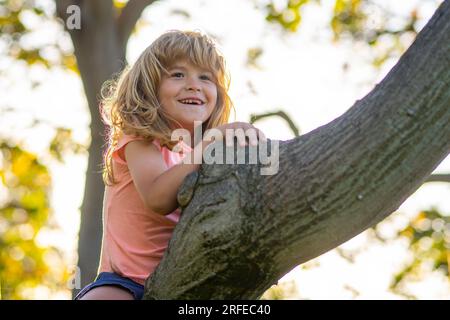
159,210
157,207
154,208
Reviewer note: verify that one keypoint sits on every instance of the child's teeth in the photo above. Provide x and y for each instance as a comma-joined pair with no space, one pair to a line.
190,102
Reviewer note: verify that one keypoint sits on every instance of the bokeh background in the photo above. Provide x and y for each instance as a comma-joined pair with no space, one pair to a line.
295,65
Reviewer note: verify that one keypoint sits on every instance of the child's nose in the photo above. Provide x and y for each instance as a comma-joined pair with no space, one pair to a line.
193,84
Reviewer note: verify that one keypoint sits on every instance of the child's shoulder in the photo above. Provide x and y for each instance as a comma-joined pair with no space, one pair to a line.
119,150
124,139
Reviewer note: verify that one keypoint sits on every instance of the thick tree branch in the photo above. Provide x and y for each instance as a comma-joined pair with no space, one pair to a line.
256,117
129,16
281,114
240,231
438,178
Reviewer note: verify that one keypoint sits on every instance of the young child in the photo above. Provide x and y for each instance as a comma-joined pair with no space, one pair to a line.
180,78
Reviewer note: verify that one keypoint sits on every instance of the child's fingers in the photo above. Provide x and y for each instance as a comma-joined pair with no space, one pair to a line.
241,140
259,135
247,131
229,138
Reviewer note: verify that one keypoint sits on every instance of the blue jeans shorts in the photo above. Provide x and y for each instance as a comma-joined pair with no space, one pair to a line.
111,278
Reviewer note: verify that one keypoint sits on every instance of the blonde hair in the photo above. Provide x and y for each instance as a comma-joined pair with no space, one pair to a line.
130,103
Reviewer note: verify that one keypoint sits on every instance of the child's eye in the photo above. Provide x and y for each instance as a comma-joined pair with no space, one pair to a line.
177,74
205,77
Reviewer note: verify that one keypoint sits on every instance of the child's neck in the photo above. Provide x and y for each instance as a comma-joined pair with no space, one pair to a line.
195,135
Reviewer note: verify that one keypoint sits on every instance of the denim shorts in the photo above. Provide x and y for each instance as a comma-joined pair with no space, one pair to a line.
111,278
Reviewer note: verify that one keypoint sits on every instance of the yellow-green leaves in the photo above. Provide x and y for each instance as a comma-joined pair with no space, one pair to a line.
63,142
288,17
429,241
21,21
347,16
24,212
119,4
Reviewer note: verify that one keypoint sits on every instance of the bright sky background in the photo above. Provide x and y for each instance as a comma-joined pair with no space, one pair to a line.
302,74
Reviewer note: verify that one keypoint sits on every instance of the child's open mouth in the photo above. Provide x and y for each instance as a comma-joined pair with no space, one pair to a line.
193,102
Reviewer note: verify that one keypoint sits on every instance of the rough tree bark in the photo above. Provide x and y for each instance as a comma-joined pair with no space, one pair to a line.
240,231
439,178
100,47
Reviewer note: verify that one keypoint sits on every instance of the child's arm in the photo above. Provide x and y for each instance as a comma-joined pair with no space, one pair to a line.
156,185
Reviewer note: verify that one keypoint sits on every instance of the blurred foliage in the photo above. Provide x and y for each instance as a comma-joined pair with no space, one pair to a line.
119,4
63,143
429,241
253,54
427,237
20,20
348,17
282,291
24,211
360,21
289,17
367,22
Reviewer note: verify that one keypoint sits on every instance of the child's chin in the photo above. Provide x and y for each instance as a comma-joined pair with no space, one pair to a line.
196,121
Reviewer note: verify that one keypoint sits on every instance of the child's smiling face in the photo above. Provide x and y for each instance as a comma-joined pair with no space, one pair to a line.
188,93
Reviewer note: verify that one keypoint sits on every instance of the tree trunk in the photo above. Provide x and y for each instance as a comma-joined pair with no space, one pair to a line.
241,231
99,55
100,47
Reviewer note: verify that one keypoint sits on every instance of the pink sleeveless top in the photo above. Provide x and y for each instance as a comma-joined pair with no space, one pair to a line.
134,238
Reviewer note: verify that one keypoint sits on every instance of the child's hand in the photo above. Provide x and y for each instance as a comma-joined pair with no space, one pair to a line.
242,131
